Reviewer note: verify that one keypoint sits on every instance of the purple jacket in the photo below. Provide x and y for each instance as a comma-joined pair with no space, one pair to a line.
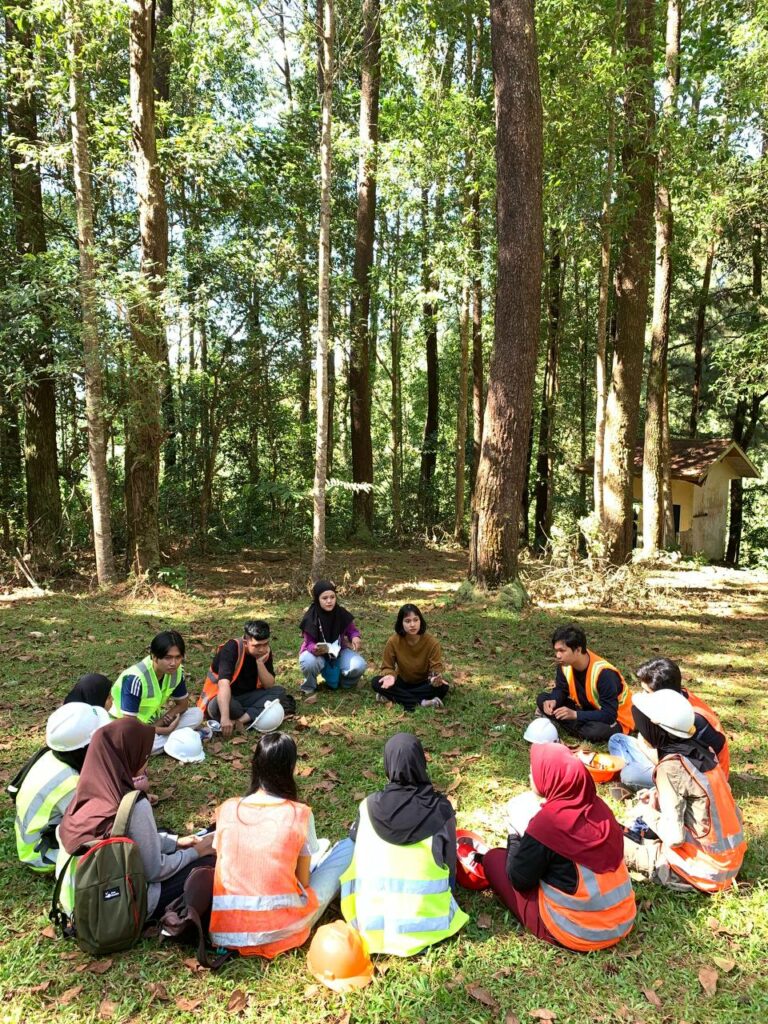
308,644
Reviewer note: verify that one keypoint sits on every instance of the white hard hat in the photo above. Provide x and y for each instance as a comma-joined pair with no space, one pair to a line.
185,745
270,719
541,730
103,716
668,709
71,726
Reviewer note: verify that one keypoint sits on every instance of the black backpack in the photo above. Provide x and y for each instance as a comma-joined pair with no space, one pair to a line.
187,917
110,904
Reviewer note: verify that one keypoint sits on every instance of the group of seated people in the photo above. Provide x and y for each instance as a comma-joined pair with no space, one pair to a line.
564,873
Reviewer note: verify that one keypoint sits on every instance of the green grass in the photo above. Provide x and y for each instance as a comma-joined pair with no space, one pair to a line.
500,661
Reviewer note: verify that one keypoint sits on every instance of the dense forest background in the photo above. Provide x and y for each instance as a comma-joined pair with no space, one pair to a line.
161,289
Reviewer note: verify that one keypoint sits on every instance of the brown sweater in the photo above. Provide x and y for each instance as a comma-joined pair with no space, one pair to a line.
412,662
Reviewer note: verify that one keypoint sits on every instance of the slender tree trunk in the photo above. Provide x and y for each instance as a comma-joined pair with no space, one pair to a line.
525,500
40,450
360,354
476,233
325,73
519,145
606,235
149,359
94,382
461,416
698,339
427,500
11,477
545,456
656,403
632,282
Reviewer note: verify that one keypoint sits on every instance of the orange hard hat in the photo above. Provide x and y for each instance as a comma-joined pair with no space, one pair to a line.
338,958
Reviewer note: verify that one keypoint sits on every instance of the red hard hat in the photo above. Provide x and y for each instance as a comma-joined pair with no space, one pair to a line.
470,850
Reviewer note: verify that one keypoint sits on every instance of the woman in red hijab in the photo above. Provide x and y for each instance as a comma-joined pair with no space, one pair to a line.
565,879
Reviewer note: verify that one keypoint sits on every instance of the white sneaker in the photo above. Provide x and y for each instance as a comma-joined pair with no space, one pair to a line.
433,702
213,725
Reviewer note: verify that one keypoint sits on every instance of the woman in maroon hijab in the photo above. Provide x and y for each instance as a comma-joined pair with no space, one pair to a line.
117,753
565,879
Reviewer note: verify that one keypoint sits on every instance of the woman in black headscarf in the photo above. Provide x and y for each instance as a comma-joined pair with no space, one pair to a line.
695,840
93,689
330,642
398,890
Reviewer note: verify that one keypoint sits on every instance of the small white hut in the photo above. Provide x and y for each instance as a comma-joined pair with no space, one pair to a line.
701,472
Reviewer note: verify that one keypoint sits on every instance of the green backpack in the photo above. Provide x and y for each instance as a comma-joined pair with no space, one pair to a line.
110,891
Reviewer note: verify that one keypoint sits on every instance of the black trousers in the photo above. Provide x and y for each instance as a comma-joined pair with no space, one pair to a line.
172,887
597,732
410,695
251,703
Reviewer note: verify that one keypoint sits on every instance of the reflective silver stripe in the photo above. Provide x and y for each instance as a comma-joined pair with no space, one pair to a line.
403,886
696,868
279,901
146,674
407,925
724,842
41,796
237,939
589,934
595,900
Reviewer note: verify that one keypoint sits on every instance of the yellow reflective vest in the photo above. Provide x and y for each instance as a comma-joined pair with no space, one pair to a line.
43,797
396,896
154,692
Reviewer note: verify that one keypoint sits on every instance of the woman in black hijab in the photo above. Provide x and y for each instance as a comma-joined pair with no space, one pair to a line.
398,889
92,688
330,642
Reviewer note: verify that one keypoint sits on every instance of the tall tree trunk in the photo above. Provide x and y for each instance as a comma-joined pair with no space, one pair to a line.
461,414
519,146
360,354
476,233
698,339
149,357
396,404
632,282
325,74
94,382
11,479
656,403
545,455
427,500
40,452
606,235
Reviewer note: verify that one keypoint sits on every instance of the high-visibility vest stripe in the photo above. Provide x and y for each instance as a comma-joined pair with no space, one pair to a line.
275,902
245,939
407,925
594,668
596,915
155,692
41,801
410,886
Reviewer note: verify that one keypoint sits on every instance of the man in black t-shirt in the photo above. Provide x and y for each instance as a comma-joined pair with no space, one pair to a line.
245,679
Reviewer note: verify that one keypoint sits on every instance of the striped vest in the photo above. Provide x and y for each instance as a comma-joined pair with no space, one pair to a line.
706,712
396,896
154,692
599,914
259,906
211,684
710,862
42,799
595,667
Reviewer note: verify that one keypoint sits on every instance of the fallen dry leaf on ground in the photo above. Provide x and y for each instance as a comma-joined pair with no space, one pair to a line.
70,995
453,786
304,773
484,920
482,995
708,980
158,991
192,964
368,774
49,932
651,996
97,966
42,987
188,1004
237,1001
511,1018
107,1009
725,964
544,1014
301,723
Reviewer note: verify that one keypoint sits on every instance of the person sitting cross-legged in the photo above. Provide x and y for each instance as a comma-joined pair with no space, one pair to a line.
590,699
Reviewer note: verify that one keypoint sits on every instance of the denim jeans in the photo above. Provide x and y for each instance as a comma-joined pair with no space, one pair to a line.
637,772
325,877
351,664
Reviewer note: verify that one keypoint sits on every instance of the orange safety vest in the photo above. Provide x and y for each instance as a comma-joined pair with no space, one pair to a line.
710,862
595,667
259,906
599,914
724,757
211,684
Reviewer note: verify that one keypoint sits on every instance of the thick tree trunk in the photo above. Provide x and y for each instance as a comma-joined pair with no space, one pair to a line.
476,234
656,402
632,282
519,145
40,452
149,358
427,502
604,284
325,74
360,354
545,455
698,339
461,413
94,382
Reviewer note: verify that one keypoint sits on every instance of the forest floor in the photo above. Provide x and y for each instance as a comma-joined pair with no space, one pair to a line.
690,958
